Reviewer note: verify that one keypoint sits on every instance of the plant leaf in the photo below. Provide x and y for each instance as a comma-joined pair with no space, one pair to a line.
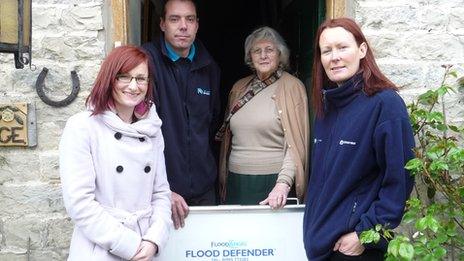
421,224
439,165
406,251
431,223
414,165
428,98
393,247
442,238
443,90
439,252
370,236
461,192
409,217
453,128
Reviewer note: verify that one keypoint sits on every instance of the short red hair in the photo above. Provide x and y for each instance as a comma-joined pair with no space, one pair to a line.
373,78
120,60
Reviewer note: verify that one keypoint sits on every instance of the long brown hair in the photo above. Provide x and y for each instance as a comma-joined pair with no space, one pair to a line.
120,60
373,79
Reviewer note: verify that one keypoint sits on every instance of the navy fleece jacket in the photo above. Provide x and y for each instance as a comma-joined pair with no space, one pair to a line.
357,180
187,100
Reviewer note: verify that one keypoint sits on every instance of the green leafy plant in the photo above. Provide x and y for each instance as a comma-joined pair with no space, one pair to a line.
435,213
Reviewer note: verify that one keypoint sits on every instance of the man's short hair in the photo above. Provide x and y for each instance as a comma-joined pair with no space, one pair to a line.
163,11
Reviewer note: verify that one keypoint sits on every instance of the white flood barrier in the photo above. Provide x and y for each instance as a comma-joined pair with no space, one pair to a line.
238,233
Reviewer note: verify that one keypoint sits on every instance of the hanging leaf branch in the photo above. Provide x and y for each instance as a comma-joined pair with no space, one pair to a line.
435,213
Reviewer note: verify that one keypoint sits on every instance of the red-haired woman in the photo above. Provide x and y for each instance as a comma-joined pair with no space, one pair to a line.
362,141
112,166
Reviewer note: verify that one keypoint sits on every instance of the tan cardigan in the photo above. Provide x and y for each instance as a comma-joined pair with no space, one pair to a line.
292,105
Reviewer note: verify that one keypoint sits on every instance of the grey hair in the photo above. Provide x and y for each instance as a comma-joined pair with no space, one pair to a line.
269,34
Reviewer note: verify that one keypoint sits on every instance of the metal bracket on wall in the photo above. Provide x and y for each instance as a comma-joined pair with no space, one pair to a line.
39,87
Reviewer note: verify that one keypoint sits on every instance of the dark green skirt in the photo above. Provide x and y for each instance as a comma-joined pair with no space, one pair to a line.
245,189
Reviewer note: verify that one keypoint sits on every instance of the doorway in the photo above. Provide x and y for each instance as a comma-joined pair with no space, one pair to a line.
224,25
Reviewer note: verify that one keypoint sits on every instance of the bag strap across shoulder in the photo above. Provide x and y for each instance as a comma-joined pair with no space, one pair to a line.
255,86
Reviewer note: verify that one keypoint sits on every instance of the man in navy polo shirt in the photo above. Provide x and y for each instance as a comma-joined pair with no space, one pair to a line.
187,100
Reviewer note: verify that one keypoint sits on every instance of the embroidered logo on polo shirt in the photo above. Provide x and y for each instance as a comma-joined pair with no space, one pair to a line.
317,140
347,142
201,91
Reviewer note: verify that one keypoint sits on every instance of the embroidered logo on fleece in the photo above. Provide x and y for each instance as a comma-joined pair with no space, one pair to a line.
347,142
317,140
201,91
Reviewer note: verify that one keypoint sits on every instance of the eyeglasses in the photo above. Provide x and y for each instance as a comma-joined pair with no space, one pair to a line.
269,51
124,78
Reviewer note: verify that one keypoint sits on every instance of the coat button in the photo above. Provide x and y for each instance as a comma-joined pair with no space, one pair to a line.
142,139
118,135
147,169
119,169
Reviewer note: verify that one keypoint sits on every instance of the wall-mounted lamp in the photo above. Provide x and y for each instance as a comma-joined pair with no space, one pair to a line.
16,29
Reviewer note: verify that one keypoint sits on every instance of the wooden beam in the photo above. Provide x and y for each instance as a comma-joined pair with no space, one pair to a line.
120,18
335,8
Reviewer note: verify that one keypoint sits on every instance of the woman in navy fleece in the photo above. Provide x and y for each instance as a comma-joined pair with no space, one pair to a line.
362,141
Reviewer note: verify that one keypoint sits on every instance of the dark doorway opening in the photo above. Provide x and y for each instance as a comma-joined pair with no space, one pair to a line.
224,25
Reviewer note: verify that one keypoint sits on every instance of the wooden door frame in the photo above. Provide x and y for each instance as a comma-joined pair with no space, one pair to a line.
336,8
120,22
120,17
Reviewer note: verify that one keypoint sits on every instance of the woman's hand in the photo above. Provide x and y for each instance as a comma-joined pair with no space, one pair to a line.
278,196
349,244
146,251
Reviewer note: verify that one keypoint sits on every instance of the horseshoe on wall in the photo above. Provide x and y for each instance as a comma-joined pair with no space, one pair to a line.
39,85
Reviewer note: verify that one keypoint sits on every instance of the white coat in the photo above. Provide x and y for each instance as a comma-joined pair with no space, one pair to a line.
114,185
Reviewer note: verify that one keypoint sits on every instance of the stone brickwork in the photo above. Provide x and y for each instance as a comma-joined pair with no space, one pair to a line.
67,35
411,39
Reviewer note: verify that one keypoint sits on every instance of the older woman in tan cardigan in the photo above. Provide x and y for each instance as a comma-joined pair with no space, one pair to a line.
264,146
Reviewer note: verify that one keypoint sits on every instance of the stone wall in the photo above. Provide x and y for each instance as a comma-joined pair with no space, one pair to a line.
411,39
67,35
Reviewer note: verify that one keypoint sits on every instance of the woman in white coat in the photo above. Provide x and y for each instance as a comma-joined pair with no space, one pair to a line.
112,166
